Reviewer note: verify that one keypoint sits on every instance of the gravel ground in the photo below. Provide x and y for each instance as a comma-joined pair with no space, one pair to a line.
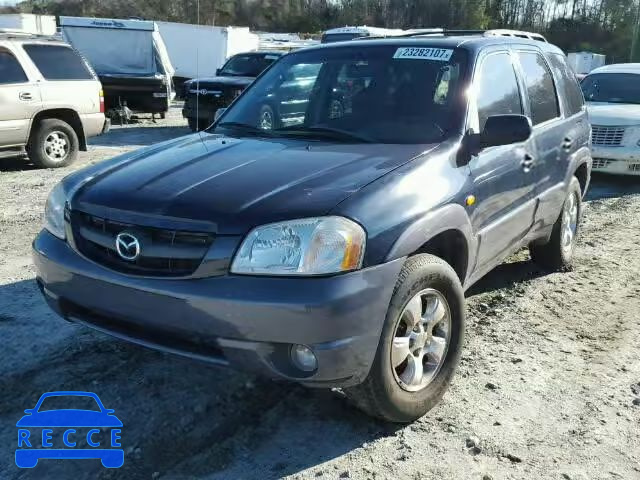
548,387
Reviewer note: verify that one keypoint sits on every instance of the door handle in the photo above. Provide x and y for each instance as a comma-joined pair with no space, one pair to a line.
527,162
567,143
26,96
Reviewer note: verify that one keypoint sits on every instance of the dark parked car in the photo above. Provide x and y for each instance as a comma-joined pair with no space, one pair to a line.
204,96
332,249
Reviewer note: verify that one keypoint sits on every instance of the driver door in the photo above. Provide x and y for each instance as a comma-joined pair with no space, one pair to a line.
504,186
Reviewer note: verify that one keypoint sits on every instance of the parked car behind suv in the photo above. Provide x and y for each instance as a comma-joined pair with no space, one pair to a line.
333,251
613,100
51,100
204,96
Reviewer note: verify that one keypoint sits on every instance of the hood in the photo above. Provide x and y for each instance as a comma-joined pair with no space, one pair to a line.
234,184
220,80
618,114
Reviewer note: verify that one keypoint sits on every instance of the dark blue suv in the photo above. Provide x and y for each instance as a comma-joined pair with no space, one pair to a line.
334,248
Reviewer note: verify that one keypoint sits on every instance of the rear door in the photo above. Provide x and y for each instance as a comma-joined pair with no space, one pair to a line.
503,187
550,128
19,100
577,130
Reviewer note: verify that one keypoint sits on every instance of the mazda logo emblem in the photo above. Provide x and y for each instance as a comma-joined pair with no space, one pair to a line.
127,246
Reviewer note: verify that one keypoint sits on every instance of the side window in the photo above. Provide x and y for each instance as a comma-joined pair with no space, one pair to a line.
567,83
543,98
57,62
497,92
10,69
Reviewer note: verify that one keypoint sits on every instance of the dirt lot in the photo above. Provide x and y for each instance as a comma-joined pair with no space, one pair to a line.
546,388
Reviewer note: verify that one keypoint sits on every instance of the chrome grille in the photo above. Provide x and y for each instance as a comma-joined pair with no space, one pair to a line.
607,136
162,253
601,163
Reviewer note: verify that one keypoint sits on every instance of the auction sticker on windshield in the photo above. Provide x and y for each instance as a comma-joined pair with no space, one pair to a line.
441,54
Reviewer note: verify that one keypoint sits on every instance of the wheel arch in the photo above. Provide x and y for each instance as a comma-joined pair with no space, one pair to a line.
445,233
67,115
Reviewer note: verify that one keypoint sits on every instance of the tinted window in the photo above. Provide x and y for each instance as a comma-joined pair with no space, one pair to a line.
356,94
567,83
612,88
57,62
542,93
10,69
247,65
498,92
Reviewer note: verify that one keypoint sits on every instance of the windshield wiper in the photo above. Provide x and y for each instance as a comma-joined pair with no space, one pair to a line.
245,127
325,132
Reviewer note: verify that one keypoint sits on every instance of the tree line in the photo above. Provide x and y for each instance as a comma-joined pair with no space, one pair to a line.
601,26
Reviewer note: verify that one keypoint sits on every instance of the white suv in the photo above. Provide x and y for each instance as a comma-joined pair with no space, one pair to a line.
612,93
51,100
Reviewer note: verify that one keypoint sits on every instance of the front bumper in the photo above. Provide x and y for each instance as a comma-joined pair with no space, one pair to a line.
245,321
616,160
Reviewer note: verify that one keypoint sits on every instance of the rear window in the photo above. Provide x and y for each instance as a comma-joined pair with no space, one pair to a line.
57,62
567,83
10,70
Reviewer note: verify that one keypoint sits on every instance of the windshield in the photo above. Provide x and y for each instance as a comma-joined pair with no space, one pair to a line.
612,88
381,94
247,65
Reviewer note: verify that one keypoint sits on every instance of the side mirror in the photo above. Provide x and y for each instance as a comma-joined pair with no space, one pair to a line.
218,70
218,114
505,130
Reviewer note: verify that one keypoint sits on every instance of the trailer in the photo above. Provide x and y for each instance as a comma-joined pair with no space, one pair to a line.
29,23
583,62
199,50
130,59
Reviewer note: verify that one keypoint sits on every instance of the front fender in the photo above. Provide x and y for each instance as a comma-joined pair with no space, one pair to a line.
435,222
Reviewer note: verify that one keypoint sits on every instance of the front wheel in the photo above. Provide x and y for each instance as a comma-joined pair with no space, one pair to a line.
420,344
557,253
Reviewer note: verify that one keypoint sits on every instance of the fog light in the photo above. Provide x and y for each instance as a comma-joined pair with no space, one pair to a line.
304,358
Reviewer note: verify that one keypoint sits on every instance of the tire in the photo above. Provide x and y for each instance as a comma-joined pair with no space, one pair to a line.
384,393
53,143
194,125
557,254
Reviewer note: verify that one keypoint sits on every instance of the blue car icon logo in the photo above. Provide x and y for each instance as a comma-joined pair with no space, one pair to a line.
54,430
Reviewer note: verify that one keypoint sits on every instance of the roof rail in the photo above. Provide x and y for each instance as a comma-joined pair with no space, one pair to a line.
454,33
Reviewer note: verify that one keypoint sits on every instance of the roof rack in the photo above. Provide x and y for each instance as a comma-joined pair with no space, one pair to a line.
446,32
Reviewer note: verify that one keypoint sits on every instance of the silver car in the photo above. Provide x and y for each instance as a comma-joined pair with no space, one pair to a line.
51,100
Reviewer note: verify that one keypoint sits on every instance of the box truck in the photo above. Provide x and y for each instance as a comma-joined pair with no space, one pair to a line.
29,23
199,50
583,62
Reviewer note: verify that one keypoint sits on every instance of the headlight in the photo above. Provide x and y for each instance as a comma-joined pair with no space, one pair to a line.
54,212
309,246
